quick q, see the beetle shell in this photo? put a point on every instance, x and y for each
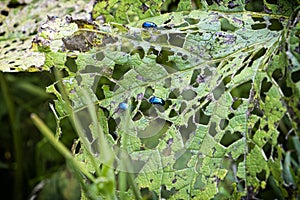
(123, 106)
(157, 100)
(149, 25)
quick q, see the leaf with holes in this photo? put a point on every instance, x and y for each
(18, 26)
(218, 107)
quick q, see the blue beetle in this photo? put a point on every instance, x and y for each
(149, 25)
(123, 106)
(157, 100)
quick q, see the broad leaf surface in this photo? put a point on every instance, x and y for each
(210, 68)
(218, 70)
(19, 25)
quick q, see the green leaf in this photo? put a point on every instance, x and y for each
(126, 11)
(217, 73)
(20, 25)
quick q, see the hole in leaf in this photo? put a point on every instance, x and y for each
(259, 19)
(79, 79)
(267, 149)
(144, 108)
(262, 175)
(229, 139)
(182, 161)
(295, 76)
(112, 125)
(258, 26)
(218, 91)
(297, 49)
(85, 121)
(251, 146)
(174, 94)
(168, 20)
(284, 129)
(177, 39)
(287, 91)
(103, 81)
(78, 147)
(183, 106)
(188, 95)
(212, 129)
(231, 115)
(152, 134)
(192, 21)
(167, 194)
(277, 74)
(7, 45)
(236, 104)
(134, 101)
(105, 112)
(242, 91)
(226, 26)
(71, 64)
(257, 111)
(223, 123)
(148, 194)
(167, 83)
(162, 39)
(209, 2)
(199, 184)
(241, 68)
(173, 113)
(148, 92)
(186, 131)
(100, 56)
(140, 51)
(254, 129)
(163, 59)
(4, 13)
(203, 118)
(173, 6)
(276, 25)
(119, 71)
(137, 116)
(164, 107)
(265, 87)
(226, 80)
(152, 51)
(137, 165)
(257, 55)
(195, 74)
(182, 25)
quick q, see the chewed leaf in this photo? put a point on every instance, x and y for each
(191, 100)
(126, 11)
(18, 27)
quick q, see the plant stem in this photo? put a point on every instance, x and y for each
(59, 146)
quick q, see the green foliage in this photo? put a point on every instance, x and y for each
(62, 185)
(229, 79)
(19, 25)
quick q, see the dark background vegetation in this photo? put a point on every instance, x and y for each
(26, 94)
